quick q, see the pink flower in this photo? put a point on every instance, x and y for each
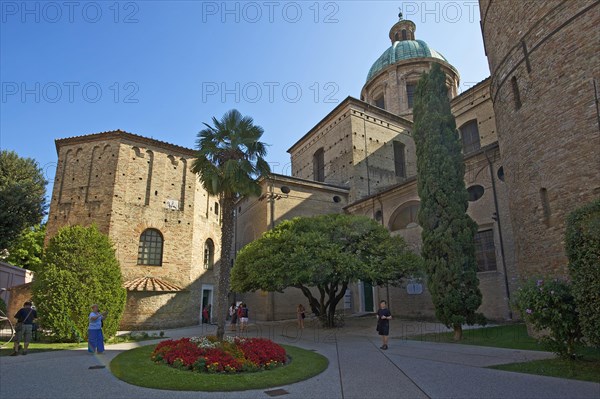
(529, 311)
(539, 282)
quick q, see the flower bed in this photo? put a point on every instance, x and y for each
(208, 355)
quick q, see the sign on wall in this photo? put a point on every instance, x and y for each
(414, 288)
(172, 204)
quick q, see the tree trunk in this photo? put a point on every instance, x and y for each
(227, 207)
(332, 303)
(312, 301)
(458, 332)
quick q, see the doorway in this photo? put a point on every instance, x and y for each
(367, 296)
(207, 303)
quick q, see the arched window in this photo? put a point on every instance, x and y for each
(209, 254)
(319, 165)
(150, 249)
(380, 102)
(216, 208)
(470, 136)
(404, 35)
(405, 216)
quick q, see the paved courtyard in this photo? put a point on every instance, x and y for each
(357, 369)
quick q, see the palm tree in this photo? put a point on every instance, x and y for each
(229, 163)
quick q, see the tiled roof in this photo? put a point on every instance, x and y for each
(400, 51)
(122, 134)
(150, 284)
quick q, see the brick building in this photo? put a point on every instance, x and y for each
(544, 57)
(526, 167)
(164, 225)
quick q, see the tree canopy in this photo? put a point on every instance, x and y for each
(22, 196)
(448, 232)
(324, 252)
(80, 269)
(27, 250)
(229, 163)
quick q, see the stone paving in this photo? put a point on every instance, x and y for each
(357, 369)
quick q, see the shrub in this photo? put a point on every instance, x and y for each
(549, 304)
(582, 243)
(80, 268)
(206, 355)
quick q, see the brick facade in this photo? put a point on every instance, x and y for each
(545, 58)
(126, 184)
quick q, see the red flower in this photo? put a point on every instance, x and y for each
(257, 353)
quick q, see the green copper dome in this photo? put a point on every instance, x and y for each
(403, 50)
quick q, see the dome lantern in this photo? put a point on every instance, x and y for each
(403, 30)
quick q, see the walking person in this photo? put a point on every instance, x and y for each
(383, 323)
(243, 316)
(301, 315)
(95, 336)
(24, 328)
(234, 317)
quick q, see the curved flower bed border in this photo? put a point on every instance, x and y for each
(135, 367)
(208, 355)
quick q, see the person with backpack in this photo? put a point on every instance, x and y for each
(243, 316)
(24, 328)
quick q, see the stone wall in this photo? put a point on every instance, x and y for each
(357, 140)
(545, 58)
(18, 296)
(159, 310)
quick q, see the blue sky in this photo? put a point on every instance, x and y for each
(161, 69)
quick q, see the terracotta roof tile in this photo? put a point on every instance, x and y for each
(111, 134)
(150, 284)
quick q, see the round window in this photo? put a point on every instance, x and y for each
(336, 199)
(475, 192)
(285, 189)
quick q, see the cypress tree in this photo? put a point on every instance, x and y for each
(448, 232)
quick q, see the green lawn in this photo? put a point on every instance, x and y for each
(512, 336)
(135, 367)
(515, 336)
(35, 347)
(43, 345)
(586, 369)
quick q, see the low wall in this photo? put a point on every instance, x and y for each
(147, 310)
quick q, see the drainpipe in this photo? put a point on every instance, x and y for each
(387, 285)
(497, 219)
(272, 212)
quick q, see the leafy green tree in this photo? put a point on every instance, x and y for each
(583, 249)
(448, 232)
(80, 269)
(321, 256)
(22, 196)
(229, 163)
(28, 248)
